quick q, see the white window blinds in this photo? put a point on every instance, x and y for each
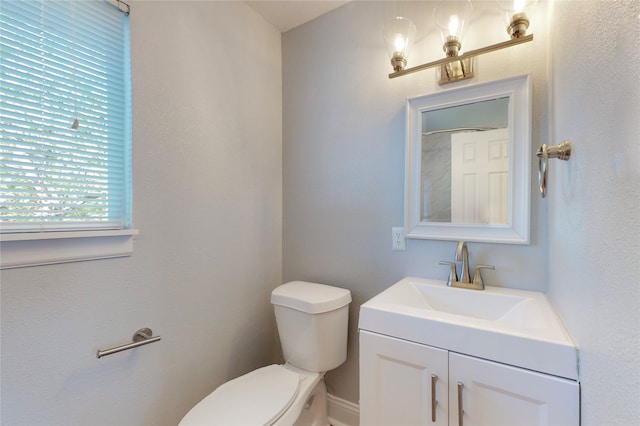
(65, 116)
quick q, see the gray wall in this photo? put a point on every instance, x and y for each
(208, 203)
(343, 157)
(594, 200)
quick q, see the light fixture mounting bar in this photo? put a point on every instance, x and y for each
(469, 54)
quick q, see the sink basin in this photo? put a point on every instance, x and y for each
(489, 306)
(511, 326)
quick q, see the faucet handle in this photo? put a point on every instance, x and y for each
(453, 274)
(477, 279)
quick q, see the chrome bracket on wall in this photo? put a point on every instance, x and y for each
(561, 151)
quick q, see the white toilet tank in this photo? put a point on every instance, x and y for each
(312, 323)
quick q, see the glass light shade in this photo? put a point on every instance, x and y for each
(399, 34)
(515, 16)
(451, 17)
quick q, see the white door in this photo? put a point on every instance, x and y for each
(480, 177)
(396, 379)
(500, 395)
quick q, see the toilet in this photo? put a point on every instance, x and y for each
(312, 324)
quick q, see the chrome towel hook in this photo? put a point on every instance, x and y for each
(561, 151)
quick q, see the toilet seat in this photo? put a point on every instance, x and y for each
(257, 398)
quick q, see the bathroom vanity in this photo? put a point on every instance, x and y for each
(436, 355)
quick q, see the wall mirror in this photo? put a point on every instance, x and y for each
(468, 163)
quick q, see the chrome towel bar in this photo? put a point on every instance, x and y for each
(140, 338)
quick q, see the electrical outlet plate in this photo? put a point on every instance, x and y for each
(398, 239)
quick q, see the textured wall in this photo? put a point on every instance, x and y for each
(343, 150)
(208, 203)
(594, 200)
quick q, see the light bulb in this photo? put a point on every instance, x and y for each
(516, 18)
(518, 6)
(450, 17)
(454, 24)
(398, 34)
(400, 43)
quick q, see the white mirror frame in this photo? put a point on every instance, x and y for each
(516, 230)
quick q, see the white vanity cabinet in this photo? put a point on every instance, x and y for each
(407, 383)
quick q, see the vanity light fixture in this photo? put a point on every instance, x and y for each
(450, 17)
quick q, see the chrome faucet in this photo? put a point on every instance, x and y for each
(462, 255)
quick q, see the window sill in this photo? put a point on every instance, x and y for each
(34, 249)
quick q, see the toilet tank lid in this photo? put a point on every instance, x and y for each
(311, 298)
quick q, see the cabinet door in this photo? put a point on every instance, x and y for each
(396, 381)
(496, 394)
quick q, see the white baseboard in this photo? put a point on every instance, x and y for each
(342, 412)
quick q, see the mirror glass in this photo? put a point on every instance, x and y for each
(464, 166)
(468, 163)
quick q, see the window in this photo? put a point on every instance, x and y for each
(65, 120)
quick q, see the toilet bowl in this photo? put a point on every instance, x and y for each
(312, 324)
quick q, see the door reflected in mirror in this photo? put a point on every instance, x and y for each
(467, 169)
